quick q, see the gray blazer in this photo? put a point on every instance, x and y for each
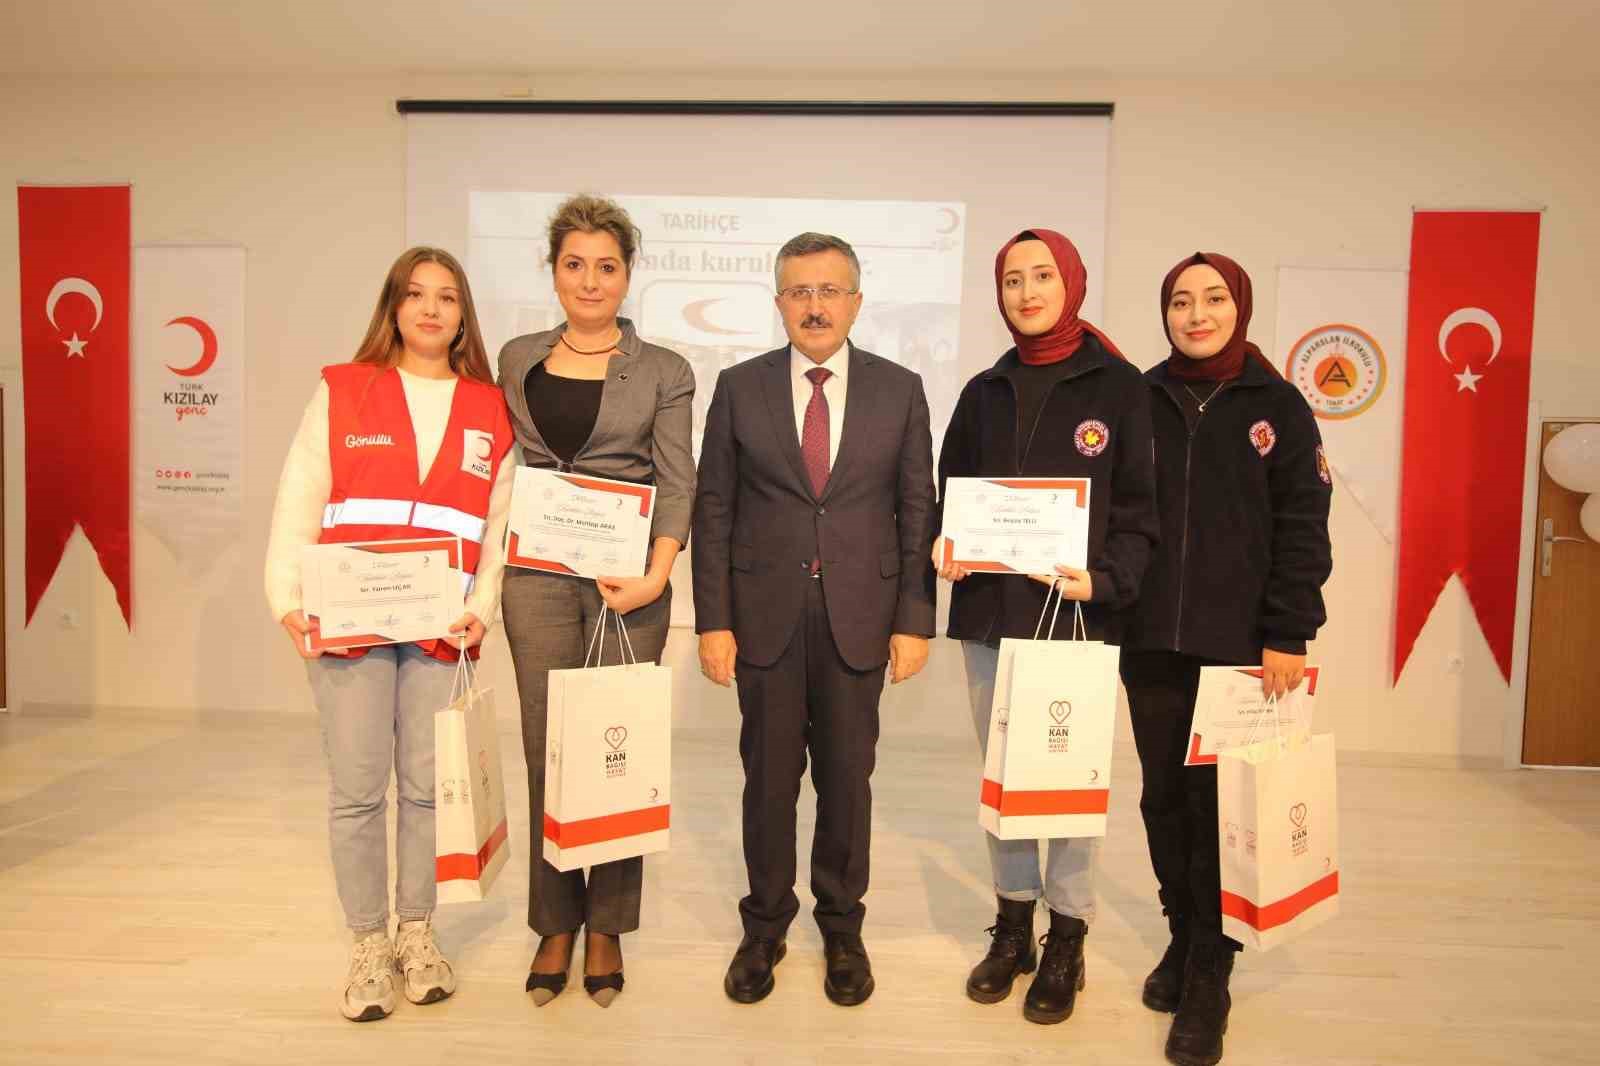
(642, 433)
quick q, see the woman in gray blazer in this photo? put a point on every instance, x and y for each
(591, 396)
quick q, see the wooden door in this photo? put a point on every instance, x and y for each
(1561, 726)
(4, 691)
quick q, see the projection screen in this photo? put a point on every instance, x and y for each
(926, 199)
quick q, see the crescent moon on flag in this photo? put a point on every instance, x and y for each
(70, 285)
(695, 315)
(208, 346)
(1473, 316)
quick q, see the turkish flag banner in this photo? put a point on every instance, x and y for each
(1469, 343)
(74, 248)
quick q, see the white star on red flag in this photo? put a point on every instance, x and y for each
(1467, 380)
(75, 347)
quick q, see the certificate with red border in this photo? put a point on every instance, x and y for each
(1230, 712)
(576, 524)
(1016, 525)
(363, 593)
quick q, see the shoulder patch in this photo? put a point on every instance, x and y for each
(1322, 467)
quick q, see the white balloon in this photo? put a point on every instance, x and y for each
(1572, 458)
(1589, 517)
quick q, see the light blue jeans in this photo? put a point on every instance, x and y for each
(1068, 883)
(377, 712)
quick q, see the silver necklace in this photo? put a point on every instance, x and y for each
(1208, 399)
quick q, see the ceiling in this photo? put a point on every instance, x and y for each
(1346, 40)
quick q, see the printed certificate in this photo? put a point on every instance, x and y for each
(566, 523)
(381, 592)
(1018, 525)
(1230, 712)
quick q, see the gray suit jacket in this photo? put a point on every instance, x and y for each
(642, 433)
(758, 525)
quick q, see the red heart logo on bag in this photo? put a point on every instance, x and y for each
(1061, 710)
(1297, 814)
(615, 736)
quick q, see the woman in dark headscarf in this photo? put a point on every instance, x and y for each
(1062, 403)
(1243, 491)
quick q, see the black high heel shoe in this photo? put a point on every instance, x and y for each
(544, 987)
(604, 988)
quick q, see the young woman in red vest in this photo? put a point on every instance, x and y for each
(407, 440)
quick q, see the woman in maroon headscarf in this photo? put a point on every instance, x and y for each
(1243, 490)
(1062, 403)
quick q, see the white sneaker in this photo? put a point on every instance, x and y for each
(369, 989)
(427, 976)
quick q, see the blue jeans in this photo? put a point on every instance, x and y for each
(377, 712)
(1068, 882)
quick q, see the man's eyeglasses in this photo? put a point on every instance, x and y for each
(802, 294)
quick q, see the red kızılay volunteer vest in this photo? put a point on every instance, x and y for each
(372, 450)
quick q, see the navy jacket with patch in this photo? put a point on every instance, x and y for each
(985, 439)
(1244, 522)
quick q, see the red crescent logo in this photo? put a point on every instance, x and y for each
(484, 448)
(208, 346)
(695, 315)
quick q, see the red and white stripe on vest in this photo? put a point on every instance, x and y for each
(372, 449)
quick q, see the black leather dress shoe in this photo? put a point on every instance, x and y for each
(849, 971)
(749, 977)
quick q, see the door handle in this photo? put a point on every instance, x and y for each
(1547, 542)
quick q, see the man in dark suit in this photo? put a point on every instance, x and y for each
(812, 530)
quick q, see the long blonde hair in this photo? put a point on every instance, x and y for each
(382, 344)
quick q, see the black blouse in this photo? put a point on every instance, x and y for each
(563, 409)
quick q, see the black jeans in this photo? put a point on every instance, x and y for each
(1179, 803)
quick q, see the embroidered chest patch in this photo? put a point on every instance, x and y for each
(1263, 437)
(1091, 437)
(477, 451)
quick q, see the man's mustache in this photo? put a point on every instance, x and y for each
(815, 322)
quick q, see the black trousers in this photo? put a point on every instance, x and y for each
(810, 700)
(1179, 803)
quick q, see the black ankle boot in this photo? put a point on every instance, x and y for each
(1163, 989)
(1055, 989)
(1010, 952)
(1196, 1036)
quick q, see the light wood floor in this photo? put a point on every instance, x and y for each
(165, 896)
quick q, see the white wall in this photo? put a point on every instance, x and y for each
(308, 175)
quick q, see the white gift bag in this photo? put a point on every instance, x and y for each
(1047, 770)
(469, 795)
(608, 758)
(1278, 837)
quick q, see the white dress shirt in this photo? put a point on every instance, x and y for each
(833, 389)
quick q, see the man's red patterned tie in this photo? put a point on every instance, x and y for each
(814, 436)
(814, 440)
